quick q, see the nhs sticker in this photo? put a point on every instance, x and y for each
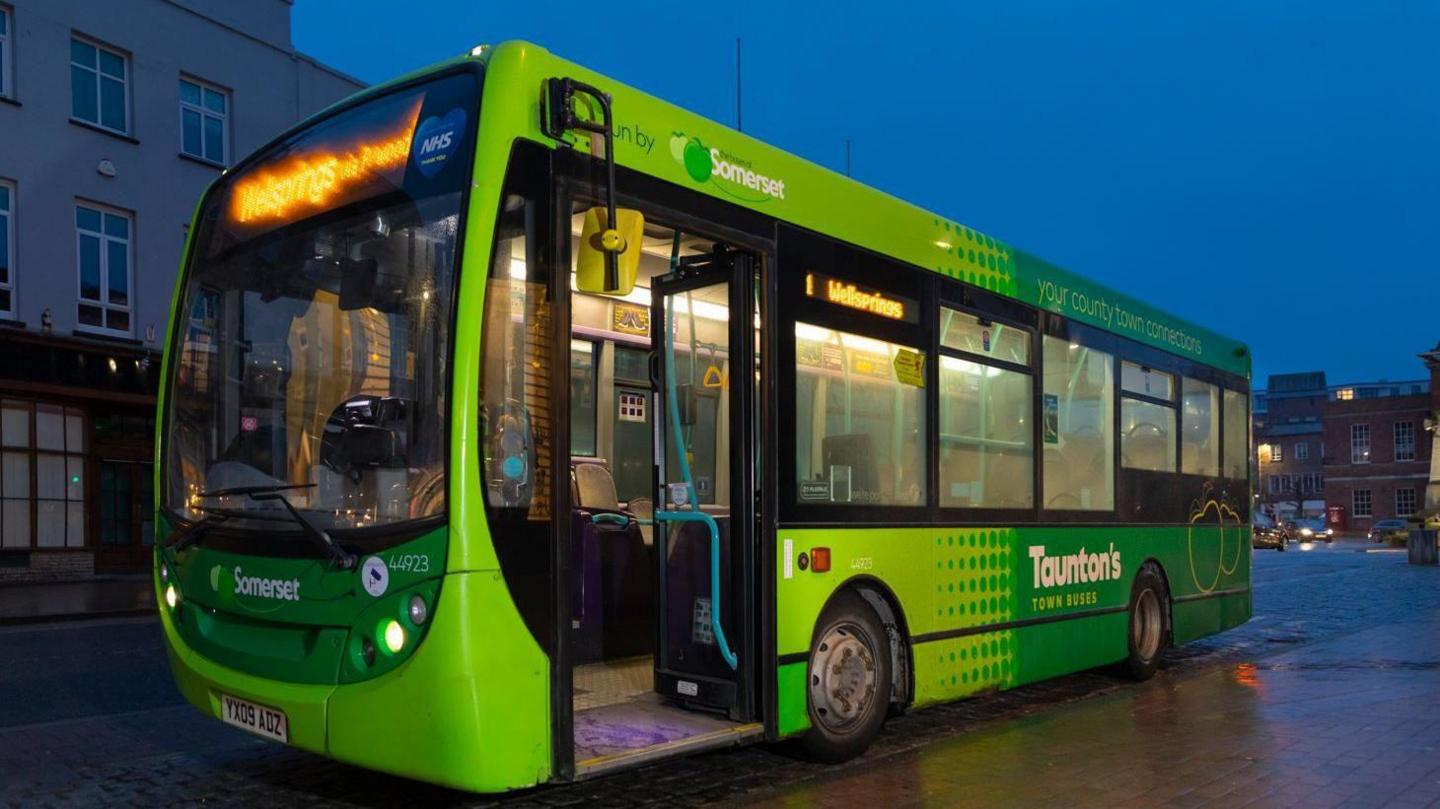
(436, 140)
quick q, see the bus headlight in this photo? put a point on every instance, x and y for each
(393, 635)
(418, 611)
(172, 596)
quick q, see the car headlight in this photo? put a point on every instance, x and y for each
(1305, 532)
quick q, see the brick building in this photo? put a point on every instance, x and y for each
(1379, 461)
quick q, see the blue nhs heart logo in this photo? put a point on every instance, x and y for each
(436, 140)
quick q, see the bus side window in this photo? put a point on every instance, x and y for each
(1077, 427)
(1237, 435)
(1199, 428)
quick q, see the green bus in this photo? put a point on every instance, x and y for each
(520, 427)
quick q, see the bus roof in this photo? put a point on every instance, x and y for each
(673, 144)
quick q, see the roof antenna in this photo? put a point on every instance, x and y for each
(738, 128)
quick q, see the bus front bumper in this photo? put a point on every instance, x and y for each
(425, 720)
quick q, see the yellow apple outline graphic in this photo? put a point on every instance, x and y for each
(1204, 505)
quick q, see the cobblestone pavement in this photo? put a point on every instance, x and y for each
(1330, 695)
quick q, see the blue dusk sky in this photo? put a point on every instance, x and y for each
(1268, 169)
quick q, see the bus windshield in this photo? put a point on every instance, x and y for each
(312, 348)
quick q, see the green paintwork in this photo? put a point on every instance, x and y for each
(665, 141)
(947, 580)
(468, 705)
(314, 638)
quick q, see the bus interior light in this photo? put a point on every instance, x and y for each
(172, 596)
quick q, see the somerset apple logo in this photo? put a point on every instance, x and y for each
(692, 154)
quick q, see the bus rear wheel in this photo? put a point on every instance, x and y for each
(1148, 604)
(848, 680)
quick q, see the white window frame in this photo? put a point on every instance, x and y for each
(1355, 503)
(1414, 503)
(7, 223)
(1302, 450)
(104, 302)
(1360, 443)
(1277, 455)
(7, 53)
(99, 101)
(205, 112)
(1410, 442)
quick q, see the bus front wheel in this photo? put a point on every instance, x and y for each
(1148, 603)
(849, 680)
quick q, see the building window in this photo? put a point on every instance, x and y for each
(1360, 503)
(6, 68)
(204, 121)
(1404, 440)
(1319, 482)
(1302, 451)
(7, 248)
(986, 427)
(1277, 454)
(1345, 394)
(103, 260)
(860, 425)
(1359, 443)
(99, 86)
(1275, 484)
(1078, 427)
(44, 445)
(1404, 502)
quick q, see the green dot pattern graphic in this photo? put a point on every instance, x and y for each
(970, 256)
(975, 571)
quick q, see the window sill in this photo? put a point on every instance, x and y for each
(11, 323)
(4, 99)
(202, 161)
(96, 334)
(102, 130)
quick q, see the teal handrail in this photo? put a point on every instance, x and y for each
(699, 516)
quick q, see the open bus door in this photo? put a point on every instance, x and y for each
(705, 512)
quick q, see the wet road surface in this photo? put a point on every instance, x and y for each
(1329, 696)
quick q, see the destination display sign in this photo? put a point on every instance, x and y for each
(851, 296)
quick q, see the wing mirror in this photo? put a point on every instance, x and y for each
(598, 241)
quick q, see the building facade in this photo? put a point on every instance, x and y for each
(1290, 445)
(114, 117)
(1380, 465)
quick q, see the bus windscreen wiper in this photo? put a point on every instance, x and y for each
(341, 557)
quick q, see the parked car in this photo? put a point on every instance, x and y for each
(1309, 529)
(1395, 532)
(1265, 533)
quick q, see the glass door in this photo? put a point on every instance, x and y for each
(705, 507)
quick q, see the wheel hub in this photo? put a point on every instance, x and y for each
(1146, 625)
(842, 677)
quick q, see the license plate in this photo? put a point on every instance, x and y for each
(257, 719)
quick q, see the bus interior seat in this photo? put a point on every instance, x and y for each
(643, 509)
(614, 570)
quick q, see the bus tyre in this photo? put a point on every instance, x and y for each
(849, 680)
(1146, 624)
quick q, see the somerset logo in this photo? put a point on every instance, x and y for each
(1081, 567)
(281, 589)
(729, 173)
